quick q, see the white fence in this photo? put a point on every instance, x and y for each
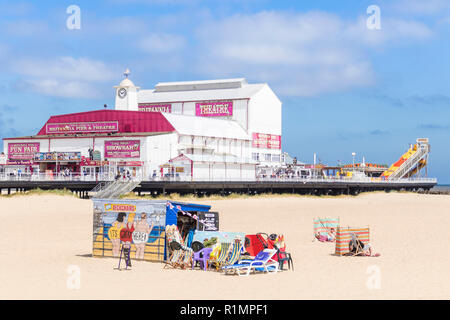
(108, 177)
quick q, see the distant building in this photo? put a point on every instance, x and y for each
(194, 130)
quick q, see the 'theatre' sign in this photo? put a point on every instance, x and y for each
(82, 127)
(266, 141)
(122, 149)
(214, 109)
(22, 151)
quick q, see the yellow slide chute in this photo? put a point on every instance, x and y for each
(422, 145)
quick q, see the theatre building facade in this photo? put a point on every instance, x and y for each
(198, 130)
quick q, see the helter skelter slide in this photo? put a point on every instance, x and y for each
(410, 163)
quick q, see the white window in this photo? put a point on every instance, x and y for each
(255, 156)
(268, 157)
(275, 158)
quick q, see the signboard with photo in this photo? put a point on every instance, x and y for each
(122, 149)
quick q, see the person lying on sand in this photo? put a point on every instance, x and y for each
(357, 247)
(329, 236)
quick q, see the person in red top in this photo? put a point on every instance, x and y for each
(126, 239)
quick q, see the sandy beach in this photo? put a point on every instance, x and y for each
(45, 236)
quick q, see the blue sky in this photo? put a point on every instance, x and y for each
(344, 88)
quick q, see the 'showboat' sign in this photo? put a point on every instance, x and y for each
(122, 149)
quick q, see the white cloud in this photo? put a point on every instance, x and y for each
(300, 54)
(161, 43)
(58, 88)
(64, 76)
(421, 7)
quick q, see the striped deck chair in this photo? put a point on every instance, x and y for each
(181, 255)
(188, 254)
(176, 257)
(344, 236)
(322, 226)
(233, 256)
(223, 255)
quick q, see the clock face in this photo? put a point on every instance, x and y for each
(122, 92)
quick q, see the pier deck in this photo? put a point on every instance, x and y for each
(294, 186)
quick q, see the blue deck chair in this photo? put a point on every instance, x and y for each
(262, 262)
(233, 256)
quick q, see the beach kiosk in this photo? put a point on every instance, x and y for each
(145, 221)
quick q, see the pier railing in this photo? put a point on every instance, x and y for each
(300, 179)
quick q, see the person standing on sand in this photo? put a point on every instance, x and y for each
(140, 235)
(126, 238)
(114, 233)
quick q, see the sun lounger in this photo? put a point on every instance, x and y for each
(262, 262)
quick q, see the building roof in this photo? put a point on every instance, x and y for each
(139, 122)
(200, 85)
(206, 127)
(128, 121)
(200, 91)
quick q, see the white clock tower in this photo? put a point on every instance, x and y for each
(126, 94)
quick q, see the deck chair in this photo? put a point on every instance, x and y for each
(233, 256)
(224, 247)
(187, 258)
(323, 226)
(177, 254)
(344, 236)
(263, 262)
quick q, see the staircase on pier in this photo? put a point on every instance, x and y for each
(113, 189)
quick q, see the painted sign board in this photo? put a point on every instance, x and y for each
(155, 107)
(214, 109)
(210, 221)
(266, 141)
(22, 151)
(82, 127)
(142, 224)
(122, 149)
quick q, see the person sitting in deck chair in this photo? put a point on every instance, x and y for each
(357, 247)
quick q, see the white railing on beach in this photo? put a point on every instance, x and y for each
(169, 178)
